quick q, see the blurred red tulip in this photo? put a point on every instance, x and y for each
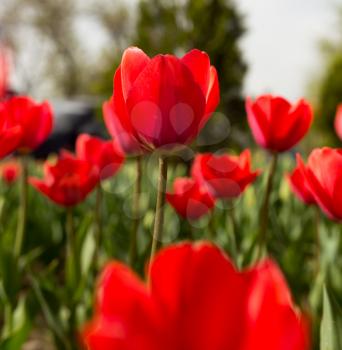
(10, 171)
(67, 182)
(196, 300)
(299, 185)
(4, 71)
(190, 199)
(105, 156)
(276, 124)
(338, 121)
(226, 176)
(34, 119)
(162, 101)
(10, 136)
(323, 174)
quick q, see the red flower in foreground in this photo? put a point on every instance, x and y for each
(190, 199)
(10, 171)
(276, 124)
(67, 182)
(196, 300)
(323, 174)
(105, 156)
(161, 101)
(34, 119)
(338, 121)
(226, 176)
(299, 185)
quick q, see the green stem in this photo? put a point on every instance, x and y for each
(98, 223)
(211, 227)
(159, 214)
(22, 215)
(136, 212)
(264, 212)
(72, 270)
(317, 238)
(71, 267)
(232, 218)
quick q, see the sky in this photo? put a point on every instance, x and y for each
(282, 43)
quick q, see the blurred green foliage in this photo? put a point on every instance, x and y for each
(327, 86)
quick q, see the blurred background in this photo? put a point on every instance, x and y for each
(68, 50)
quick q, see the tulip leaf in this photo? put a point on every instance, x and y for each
(331, 325)
(21, 328)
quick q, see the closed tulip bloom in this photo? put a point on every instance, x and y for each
(226, 176)
(338, 121)
(105, 156)
(68, 182)
(299, 185)
(196, 300)
(276, 124)
(323, 174)
(162, 101)
(10, 171)
(35, 120)
(190, 199)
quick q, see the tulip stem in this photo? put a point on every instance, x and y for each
(98, 223)
(136, 212)
(159, 214)
(22, 215)
(211, 227)
(317, 237)
(232, 218)
(264, 212)
(71, 267)
(72, 271)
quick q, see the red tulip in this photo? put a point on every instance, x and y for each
(34, 119)
(226, 176)
(68, 182)
(323, 174)
(276, 124)
(196, 300)
(4, 72)
(190, 199)
(105, 156)
(10, 171)
(10, 136)
(299, 185)
(127, 142)
(338, 121)
(161, 101)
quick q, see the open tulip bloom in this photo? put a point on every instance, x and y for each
(68, 182)
(106, 156)
(276, 124)
(162, 101)
(33, 119)
(195, 300)
(323, 174)
(190, 199)
(225, 176)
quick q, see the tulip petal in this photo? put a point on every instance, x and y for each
(153, 102)
(133, 62)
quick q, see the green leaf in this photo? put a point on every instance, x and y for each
(331, 326)
(21, 328)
